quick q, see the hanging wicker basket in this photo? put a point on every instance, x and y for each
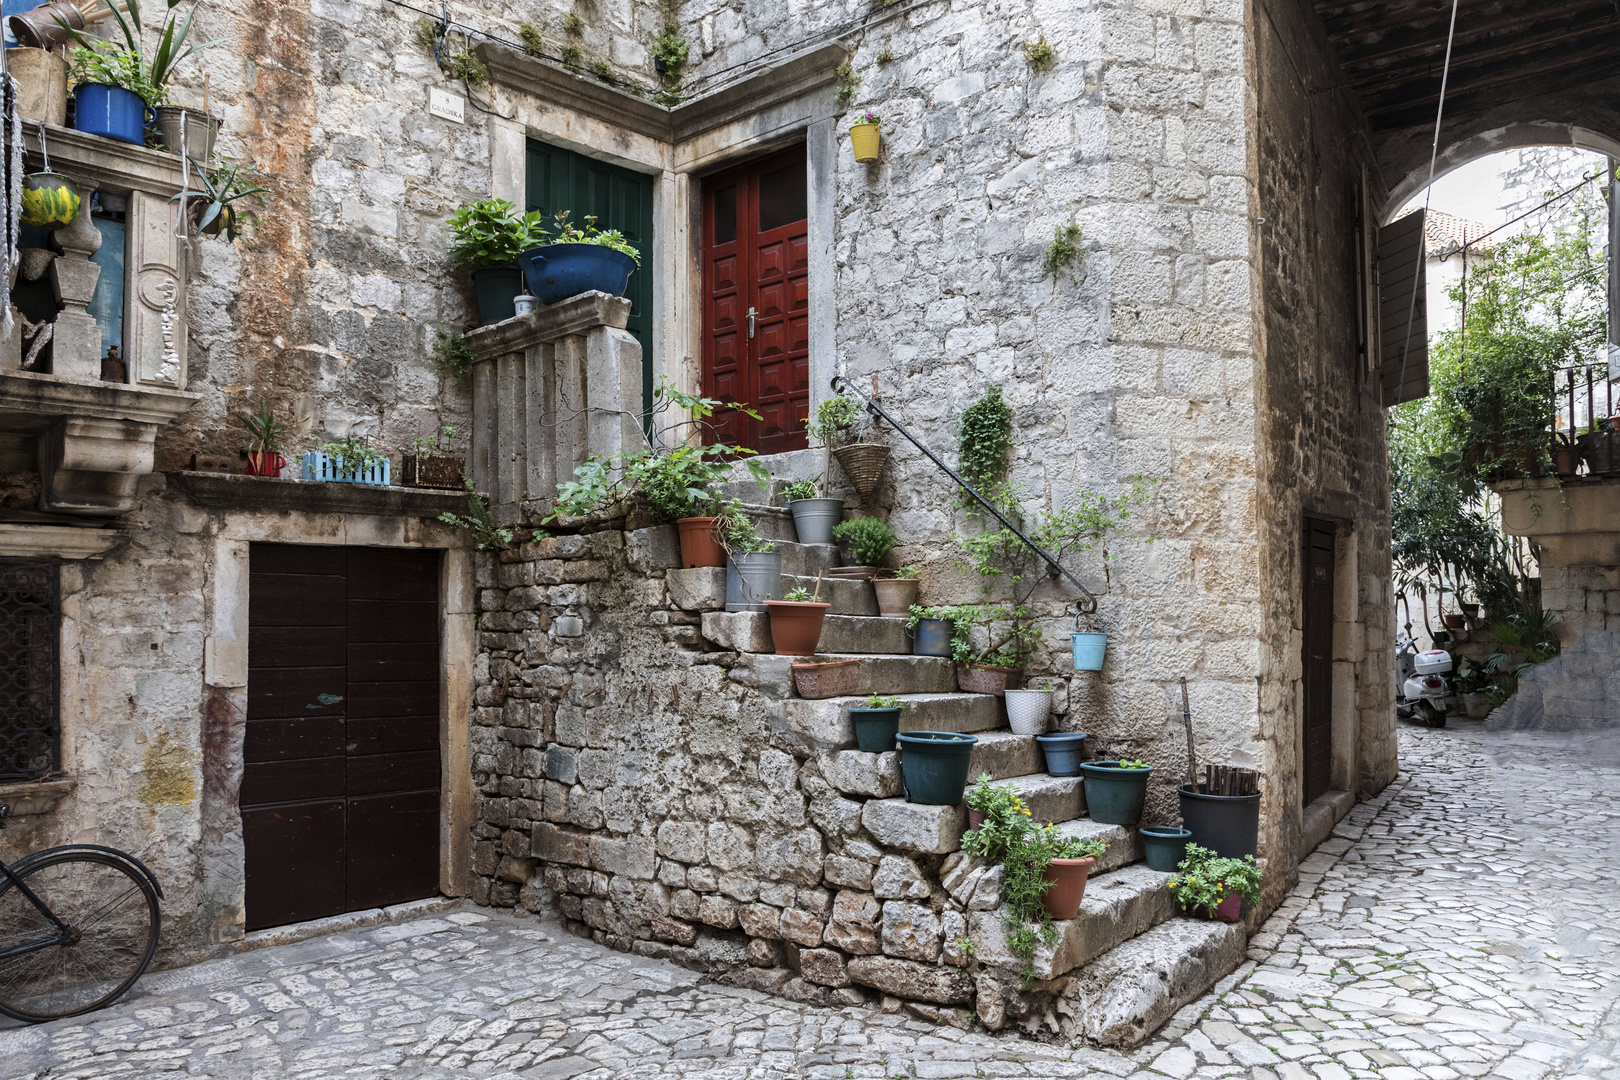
(863, 464)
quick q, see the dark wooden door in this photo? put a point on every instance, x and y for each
(340, 779)
(559, 179)
(756, 301)
(1318, 658)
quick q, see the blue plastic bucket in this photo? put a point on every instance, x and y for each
(1062, 752)
(557, 271)
(932, 637)
(1088, 650)
(113, 112)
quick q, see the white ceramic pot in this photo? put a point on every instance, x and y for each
(1028, 711)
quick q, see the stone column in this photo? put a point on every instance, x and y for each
(76, 344)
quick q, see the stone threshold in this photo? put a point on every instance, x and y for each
(1318, 819)
(352, 920)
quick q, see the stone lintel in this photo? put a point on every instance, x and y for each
(573, 317)
(30, 401)
(18, 541)
(28, 798)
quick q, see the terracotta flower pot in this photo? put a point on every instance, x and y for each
(1068, 878)
(895, 596)
(796, 625)
(1456, 621)
(698, 544)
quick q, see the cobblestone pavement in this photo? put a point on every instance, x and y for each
(1459, 925)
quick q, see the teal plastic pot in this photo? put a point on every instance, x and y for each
(1062, 752)
(497, 288)
(1114, 795)
(935, 765)
(1088, 650)
(932, 637)
(1166, 846)
(875, 729)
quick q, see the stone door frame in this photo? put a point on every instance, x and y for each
(225, 663)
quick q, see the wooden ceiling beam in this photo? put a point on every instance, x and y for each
(1527, 29)
(1394, 75)
(1425, 86)
(1394, 114)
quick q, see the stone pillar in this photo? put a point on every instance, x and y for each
(76, 344)
(154, 302)
(612, 392)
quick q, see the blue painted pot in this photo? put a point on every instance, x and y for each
(112, 112)
(1088, 650)
(557, 271)
(1166, 846)
(932, 637)
(1062, 752)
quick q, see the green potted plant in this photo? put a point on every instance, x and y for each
(996, 814)
(430, 463)
(266, 433)
(796, 622)
(115, 87)
(350, 460)
(930, 630)
(1209, 887)
(579, 260)
(1116, 790)
(898, 594)
(870, 540)
(487, 237)
(815, 515)
(213, 210)
(935, 765)
(987, 644)
(753, 565)
(876, 723)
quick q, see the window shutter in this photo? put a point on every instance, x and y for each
(1403, 317)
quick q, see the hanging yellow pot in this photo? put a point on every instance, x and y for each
(49, 200)
(865, 136)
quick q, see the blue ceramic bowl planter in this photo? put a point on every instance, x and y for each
(112, 112)
(558, 271)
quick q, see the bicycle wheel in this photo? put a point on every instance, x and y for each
(112, 917)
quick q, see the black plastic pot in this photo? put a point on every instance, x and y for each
(875, 729)
(935, 765)
(496, 287)
(1228, 825)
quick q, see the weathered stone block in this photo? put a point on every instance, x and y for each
(765, 954)
(1117, 907)
(561, 764)
(517, 871)
(776, 893)
(1123, 997)
(837, 817)
(801, 928)
(847, 872)
(911, 931)
(823, 966)
(683, 840)
(914, 826)
(717, 911)
(854, 923)
(730, 846)
(899, 878)
(555, 844)
(739, 631)
(760, 920)
(874, 776)
(795, 857)
(632, 856)
(701, 588)
(685, 904)
(650, 550)
(909, 979)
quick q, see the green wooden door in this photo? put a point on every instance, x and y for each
(560, 180)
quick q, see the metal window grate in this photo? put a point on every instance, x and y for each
(30, 624)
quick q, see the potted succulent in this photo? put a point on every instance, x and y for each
(1207, 886)
(350, 460)
(1028, 710)
(897, 595)
(865, 135)
(431, 465)
(930, 631)
(488, 237)
(935, 765)
(578, 261)
(266, 433)
(814, 514)
(876, 723)
(870, 540)
(115, 88)
(796, 622)
(753, 565)
(213, 210)
(1116, 790)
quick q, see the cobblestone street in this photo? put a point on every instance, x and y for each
(1459, 925)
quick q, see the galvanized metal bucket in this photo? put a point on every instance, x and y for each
(751, 579)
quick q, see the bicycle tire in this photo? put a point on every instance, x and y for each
(114, 910)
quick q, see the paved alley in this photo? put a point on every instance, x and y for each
(1462, 924)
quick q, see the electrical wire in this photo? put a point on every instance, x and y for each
(1423, 245)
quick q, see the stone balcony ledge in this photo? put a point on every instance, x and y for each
(1578, 522)
(235, 491)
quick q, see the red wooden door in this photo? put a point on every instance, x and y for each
(340, 778)
(756, 309)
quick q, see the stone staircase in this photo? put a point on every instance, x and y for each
(1127, 910)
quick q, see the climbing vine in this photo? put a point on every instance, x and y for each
(845, 83)
(1064, 250)
(984, 439)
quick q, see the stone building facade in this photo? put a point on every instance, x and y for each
(610, 747)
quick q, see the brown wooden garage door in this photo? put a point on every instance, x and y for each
(340, 785)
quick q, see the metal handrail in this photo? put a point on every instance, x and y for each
(1053, 567)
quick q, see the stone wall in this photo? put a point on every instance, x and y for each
(1321, 439)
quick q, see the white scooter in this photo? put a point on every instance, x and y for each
(1422, 691)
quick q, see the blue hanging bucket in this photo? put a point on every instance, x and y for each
(113, 112)
(1088, 650)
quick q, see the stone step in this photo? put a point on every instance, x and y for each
(938, 829)
(1124, 843)
(1049, 798)
(750, 631)
(823, 726)
(903, 674)
(1118, 906)
(1003, 754)
(1121, 998)
(807, 560)
(846, 597)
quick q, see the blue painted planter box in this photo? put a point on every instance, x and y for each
(318, 466)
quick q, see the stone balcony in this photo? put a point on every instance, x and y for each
(1576, 525)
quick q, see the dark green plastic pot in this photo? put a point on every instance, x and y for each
(875, 729)
(1114, 795)
(496, 287)
(1166, 846)
(935, 765)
